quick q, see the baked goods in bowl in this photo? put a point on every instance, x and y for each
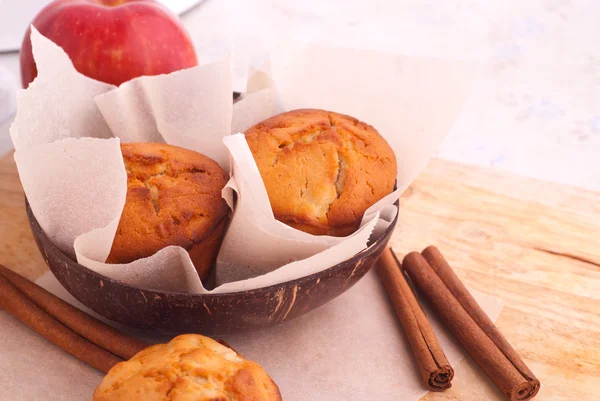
(189, 367)
(321, 170)
(173, 198)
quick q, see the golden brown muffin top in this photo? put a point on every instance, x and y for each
(173, 198)
(322, 170)
(190, 367)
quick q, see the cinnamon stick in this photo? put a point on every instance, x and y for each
(80, 322)
(435, 369)
(468, 323)
(17, 304)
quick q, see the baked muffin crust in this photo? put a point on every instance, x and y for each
(322, 170)
(173, 198)
(190, 367)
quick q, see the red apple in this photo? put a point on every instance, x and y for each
(112, 41)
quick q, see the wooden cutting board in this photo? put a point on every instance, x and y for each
(535, 245)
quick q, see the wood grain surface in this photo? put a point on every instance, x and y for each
(535, 245)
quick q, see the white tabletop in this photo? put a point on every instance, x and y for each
(536, 109)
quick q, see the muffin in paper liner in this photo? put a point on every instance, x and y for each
(68, 130)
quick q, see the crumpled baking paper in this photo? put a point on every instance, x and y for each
(68, 129)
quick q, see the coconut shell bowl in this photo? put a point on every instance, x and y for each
(178, 312)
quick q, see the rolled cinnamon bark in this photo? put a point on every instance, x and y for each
(80, 322)
(468, 323)
(435, 369)
(446, 274)
(17, 304)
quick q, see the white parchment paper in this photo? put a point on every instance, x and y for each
(68, 129)
(351, 349)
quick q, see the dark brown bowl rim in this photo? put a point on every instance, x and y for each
(297, 281)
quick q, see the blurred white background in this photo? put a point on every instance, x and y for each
(535, 110)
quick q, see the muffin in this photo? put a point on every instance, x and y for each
(322, 170)
(189, 367)
(173, 198)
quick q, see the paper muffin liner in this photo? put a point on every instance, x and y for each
(68, 130)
